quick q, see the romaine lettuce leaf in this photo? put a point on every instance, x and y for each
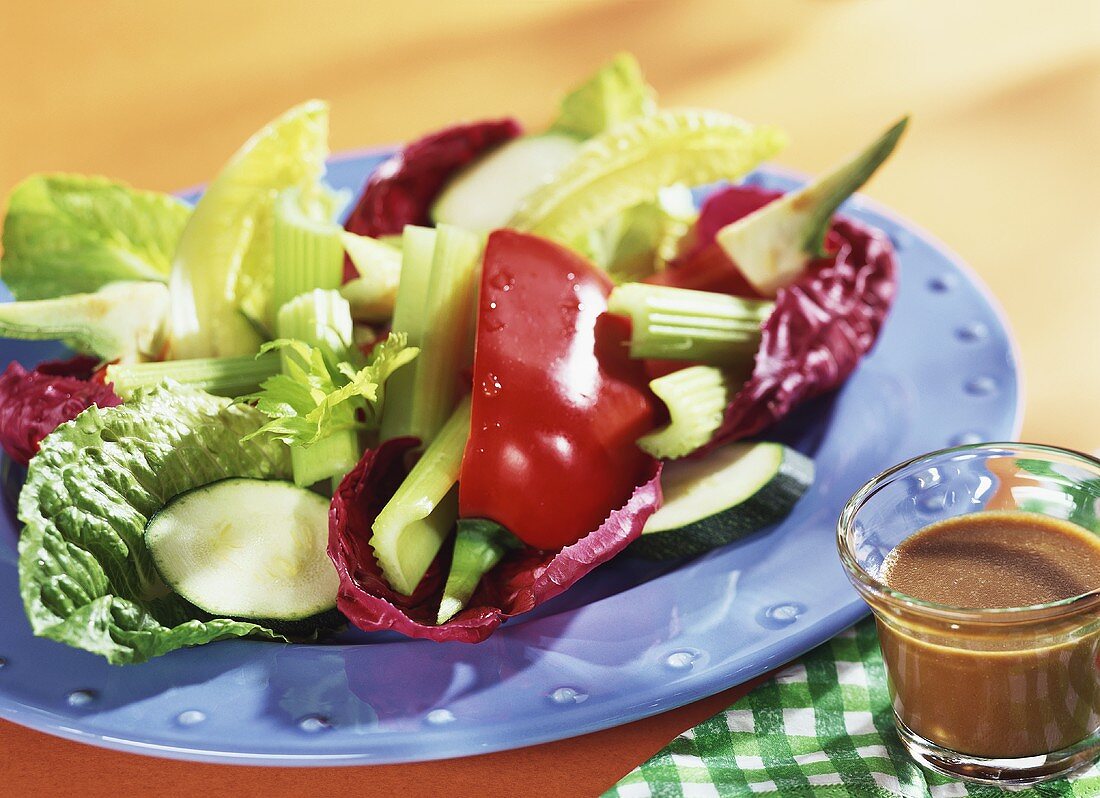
(71, 234)
(642, 240)
(85, 576)
(617, 92)
(633, 161)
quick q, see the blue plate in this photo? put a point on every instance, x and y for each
(632, 640)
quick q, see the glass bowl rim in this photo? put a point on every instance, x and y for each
(866, 583)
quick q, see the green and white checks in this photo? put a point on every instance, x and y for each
(822, 728)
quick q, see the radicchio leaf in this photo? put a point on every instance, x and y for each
(401, 191)
(520, 582)
(35, 403)
(822, 325)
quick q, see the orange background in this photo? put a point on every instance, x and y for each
(1002, 162)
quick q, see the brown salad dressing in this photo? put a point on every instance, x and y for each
(1014, 689)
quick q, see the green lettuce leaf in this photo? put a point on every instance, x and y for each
(630, 164)
(616, 93)
(312, 399)
(71, 234)
(642, 240)
(85, 576)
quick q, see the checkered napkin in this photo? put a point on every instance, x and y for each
(822, 728)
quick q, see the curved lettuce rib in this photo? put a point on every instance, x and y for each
(234, 216)
(85, 575)
(630, 163)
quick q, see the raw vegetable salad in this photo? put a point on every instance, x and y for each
(524, 353)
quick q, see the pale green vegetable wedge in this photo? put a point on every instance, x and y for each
(373, 293)
(121, 321)
(773, 245)
(205, 319)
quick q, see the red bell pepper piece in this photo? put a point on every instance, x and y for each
(557, 402)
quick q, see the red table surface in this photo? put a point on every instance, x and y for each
(34, 764)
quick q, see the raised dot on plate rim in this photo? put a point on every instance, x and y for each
(568, 695)
(980, 386)
(438, 717)
(682, 659)
(972, 332)
(942, 283)
(966, 439)
(190, 717)
(314, 723)
(80, 698)
(3, 662)
(787, 611)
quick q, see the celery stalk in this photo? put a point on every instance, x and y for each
(223, 376)
(308, 252)
(331, 457)
(321, 319)
(409, 531)
(435, 308)
(696, 398)
(409, 317)
(681, 324)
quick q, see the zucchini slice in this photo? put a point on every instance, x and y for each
(249, 549)
(487, 194)
(734, 491)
